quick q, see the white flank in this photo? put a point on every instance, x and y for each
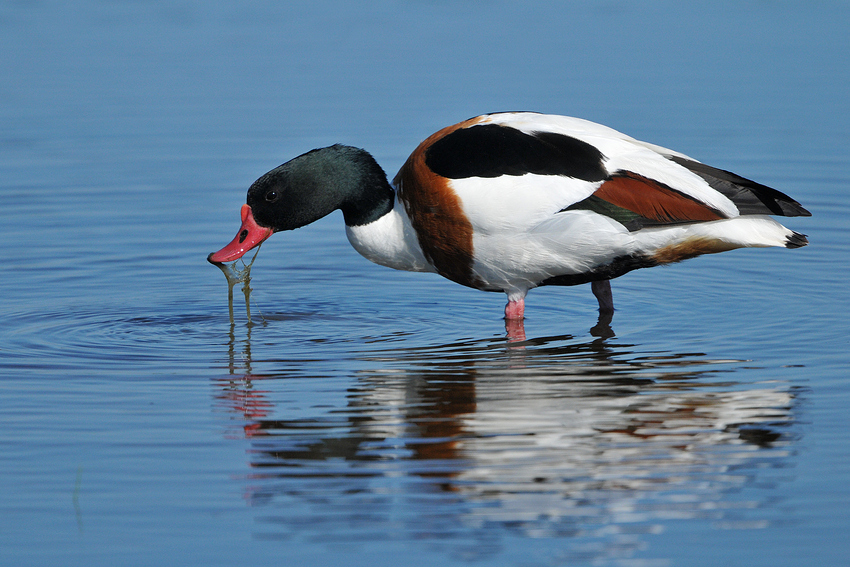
(572, 242)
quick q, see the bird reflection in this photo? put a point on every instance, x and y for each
(515, 328)
(556, 436)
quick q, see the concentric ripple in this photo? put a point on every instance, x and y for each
(104, 340)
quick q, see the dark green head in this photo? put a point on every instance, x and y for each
(314, 184)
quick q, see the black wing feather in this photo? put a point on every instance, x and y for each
(750, 197)
(493, 150)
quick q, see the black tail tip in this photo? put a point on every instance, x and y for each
(796, 240)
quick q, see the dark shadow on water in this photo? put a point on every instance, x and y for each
(594, 441)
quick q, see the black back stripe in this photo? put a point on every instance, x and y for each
(750, 197)
(491, 150)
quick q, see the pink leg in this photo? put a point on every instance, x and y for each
(515, 309)
(602, 291)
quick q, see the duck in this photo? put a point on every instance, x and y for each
(510, 201)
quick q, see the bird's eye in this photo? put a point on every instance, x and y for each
(272, 196)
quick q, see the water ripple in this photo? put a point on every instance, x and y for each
(101, 340)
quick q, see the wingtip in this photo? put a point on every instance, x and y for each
(792, 208)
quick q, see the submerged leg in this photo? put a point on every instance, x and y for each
(514, 314)
(602, 290)
(515, 309)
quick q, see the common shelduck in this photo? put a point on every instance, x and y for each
(511, 201)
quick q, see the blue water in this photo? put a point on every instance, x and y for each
(373, 417)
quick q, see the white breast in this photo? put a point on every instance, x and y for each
(390, 241)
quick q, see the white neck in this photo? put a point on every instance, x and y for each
(390, 241)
